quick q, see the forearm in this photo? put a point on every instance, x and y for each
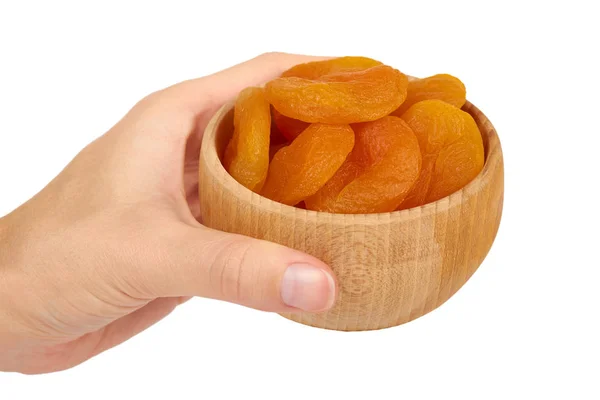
(10, 250)
(6, 262)
(13, 291)
(13, 280)
(3, 236)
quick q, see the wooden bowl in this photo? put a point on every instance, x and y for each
(391, 267)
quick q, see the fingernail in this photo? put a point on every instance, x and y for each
(307, 287)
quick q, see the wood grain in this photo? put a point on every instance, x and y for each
(391, 267)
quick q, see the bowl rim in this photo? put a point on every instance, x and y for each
(493, 154)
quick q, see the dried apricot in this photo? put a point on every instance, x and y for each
(352, 135)
(275, 148)
(317, 69)
(340, 98)
(290, 128)
(441, 87)
(451, 147)
(247, 154)
(377, 175)
(300, 169)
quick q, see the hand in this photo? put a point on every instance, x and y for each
(113, 244)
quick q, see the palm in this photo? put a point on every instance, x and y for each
(98, 334)
(155, 121)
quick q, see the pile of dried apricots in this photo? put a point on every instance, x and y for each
(351, 135)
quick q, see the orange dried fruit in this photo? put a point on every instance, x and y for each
(317, 69)
(290, 128)
(451, 147)
(443, 87)
(247, 153)
(275, 148)
(352, 135)
(300, 169)
(377, 175)
(340, 98)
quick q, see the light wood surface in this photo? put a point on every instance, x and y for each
(392, 267)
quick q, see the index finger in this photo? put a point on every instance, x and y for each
(222, 86)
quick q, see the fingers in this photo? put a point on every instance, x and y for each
(91, 344)
(161, 125)
(222, 86)
(254, 273)
(179, 106)
(131, 324)
(198, 261)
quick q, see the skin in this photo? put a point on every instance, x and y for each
(113, 244)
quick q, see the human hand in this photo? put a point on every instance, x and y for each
(113, 244)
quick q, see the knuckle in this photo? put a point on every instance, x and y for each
(148, 103)
(150, 98)
(272, 55)
(236, 259)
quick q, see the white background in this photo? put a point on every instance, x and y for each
(525, 325)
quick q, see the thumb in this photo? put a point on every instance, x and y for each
(255, 273)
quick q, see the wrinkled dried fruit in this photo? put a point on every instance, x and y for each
(352, 135)
(341, 98)
(451, 146)
(441, 87)
(377, 175)
(317, 69)
(300, 169)
(247, 154)
(290, 128)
